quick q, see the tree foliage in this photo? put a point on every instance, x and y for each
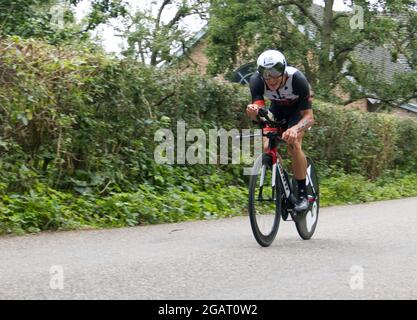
(151, 38)
(27, 18)
(54, 20)
(240, 30)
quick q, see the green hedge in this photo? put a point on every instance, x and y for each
(361, 142)
(74, 118)
(341, 188)
(77, 140)
(48, 209)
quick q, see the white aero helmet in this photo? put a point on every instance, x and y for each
(271, 63)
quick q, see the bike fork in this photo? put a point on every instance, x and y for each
(262, 180)
(277, 169)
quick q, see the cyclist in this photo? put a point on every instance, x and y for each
(289, 92)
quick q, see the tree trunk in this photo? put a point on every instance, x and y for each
(325, 58)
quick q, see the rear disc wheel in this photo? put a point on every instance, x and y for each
(306, 222)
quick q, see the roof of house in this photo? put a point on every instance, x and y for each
(193, 41)
(410, 107)
(380, 56)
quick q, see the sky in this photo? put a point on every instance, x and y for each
(112, 43)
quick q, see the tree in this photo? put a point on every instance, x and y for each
(53, 20)
(102, 11)
(151, 38)
(399, 35)
(24, 18)
(323, 50)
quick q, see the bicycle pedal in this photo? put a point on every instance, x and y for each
(293, 215)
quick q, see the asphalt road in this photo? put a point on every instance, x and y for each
(358, 252)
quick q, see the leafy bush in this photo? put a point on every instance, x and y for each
(348, 189)
(77, 141)
(79, 120)
(360, 142)
(48, 209)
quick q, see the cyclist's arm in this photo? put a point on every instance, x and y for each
(307, 120)
(302, 89)
(257, 89)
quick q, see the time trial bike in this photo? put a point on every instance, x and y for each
(272, 190)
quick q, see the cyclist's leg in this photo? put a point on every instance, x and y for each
(265, 143)
(299, 160)
(299, 166)
(295, 151)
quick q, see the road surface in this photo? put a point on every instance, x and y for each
(364, 251)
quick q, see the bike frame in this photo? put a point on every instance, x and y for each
(283, 193)
(273, 134)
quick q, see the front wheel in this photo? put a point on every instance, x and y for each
(306, 222)
(264, 206)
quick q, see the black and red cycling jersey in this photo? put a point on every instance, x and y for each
(286, 102)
